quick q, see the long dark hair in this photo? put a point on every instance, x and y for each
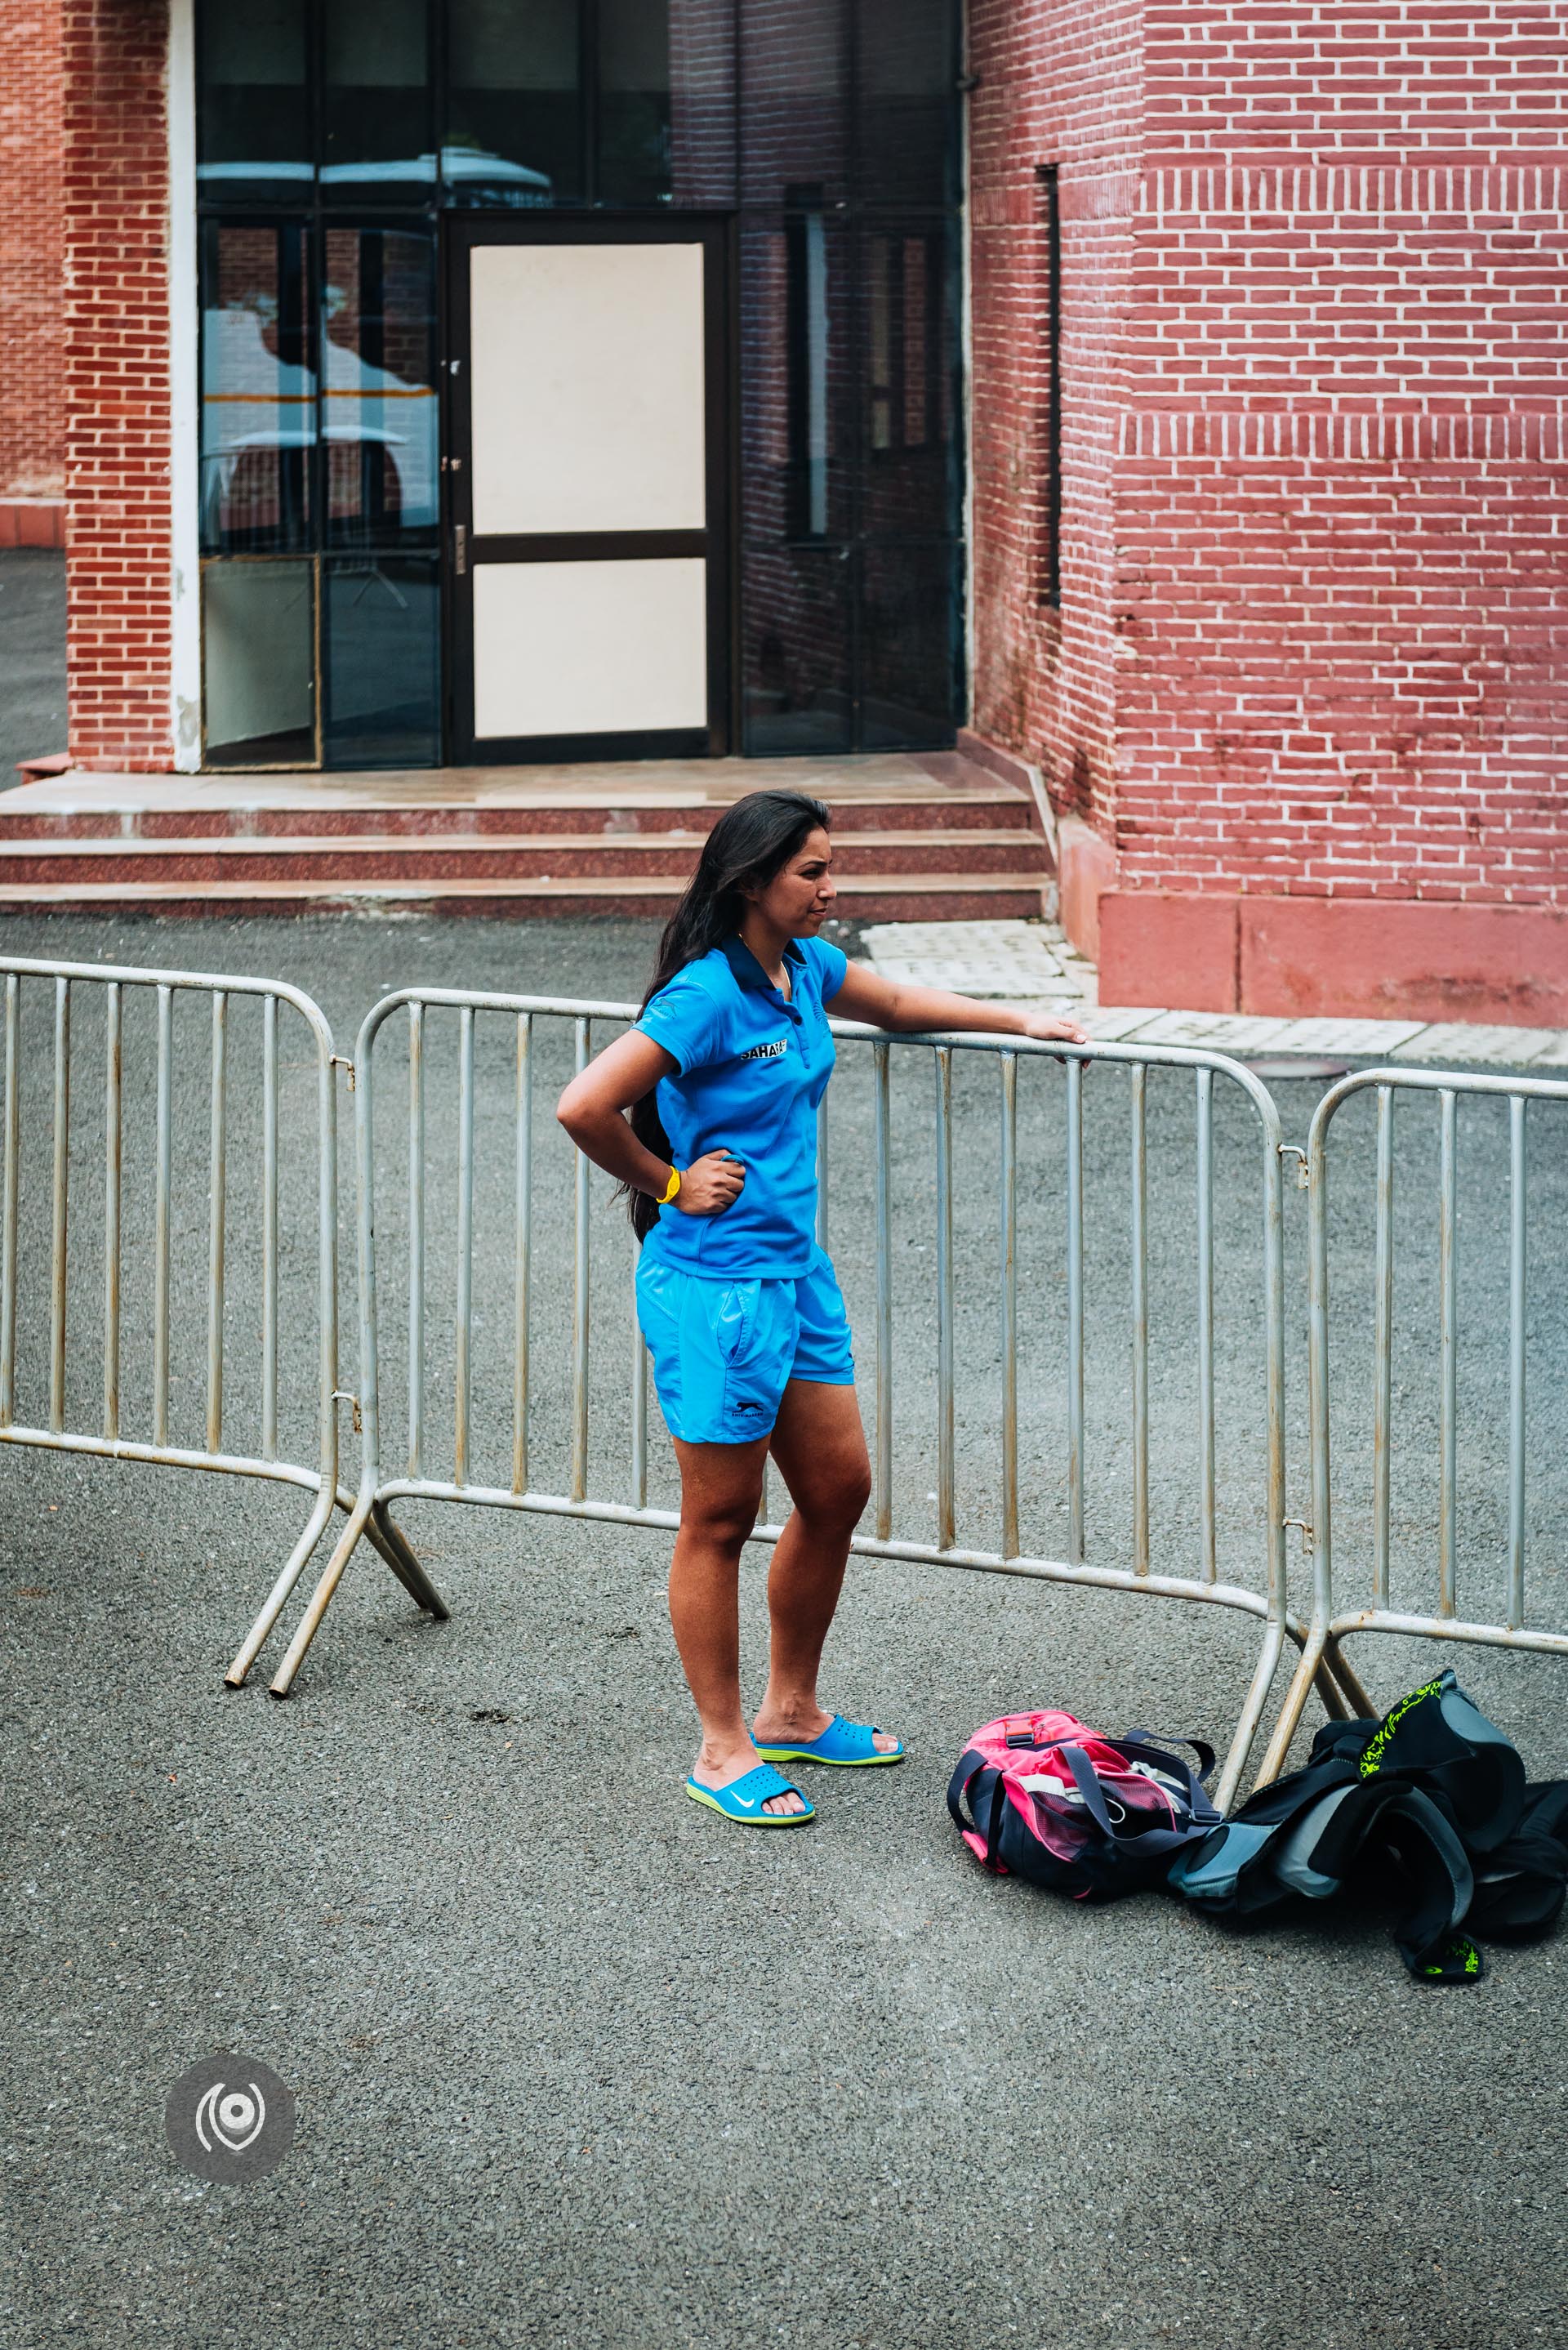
(751, 841)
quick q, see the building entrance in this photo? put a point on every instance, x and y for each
(578, 379)
(587, 474)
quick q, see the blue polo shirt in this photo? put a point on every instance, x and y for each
(752, 1067)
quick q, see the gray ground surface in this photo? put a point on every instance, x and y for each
(32, 656)
(576, 2061)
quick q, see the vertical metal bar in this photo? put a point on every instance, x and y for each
(60, 1196)
(1516, 1303)
(1206, 1316)
(1448, 1358)
(1383, 1347)
(580, 1300)
(1009, 1067)
(884, 1464)
(822, 1172)
(639, 1400)
(1139, 1244)
(464, 1241)
(219, 1161)
(1075, 1312)
(522, 1241)
(163, 1146)
(269, 1229)
(945, 1506)
(113, 1071)
(416, 1239)
(8, 1216)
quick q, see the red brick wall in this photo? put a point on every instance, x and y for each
(1063, 87)
(32, 408)
(1313, 638)
(117, 381)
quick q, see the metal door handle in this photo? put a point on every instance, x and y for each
(460, 548)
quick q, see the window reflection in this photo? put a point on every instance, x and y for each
(258, 393)
(514, 128)
(258, 642)
(906, 67)
(381, 628)
(797, 690)
(806, 334)
(377, 139)
(254, 119)
(378, 397)
(909, 624)
(634, 101)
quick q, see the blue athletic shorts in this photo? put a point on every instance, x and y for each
(724, 1351)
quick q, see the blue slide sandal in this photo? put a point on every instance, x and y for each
(743, 1799)
(846, 1743)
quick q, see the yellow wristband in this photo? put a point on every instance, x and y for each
(670, 1189)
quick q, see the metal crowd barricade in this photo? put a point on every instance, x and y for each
(54, 1432)
(526, 1014)
(1333, 1620)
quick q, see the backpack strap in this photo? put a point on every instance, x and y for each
(1141, 1748)
(969, 1763)
(1088, 1782)
(1201, 1747)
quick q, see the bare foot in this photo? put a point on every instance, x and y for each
(716, 1768)
(798, 1725)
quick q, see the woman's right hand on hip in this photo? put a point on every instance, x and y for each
(710, 1184)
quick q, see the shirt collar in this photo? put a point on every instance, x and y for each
(748, 970)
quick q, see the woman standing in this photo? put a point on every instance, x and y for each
(721, 1075)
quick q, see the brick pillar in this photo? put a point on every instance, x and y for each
(32, 414)
(116, 335)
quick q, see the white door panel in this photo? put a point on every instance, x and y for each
(587, 387)
(589, 648)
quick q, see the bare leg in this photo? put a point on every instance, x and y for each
(721, 1486)
(820, 1447)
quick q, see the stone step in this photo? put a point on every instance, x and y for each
(478, 857)
(881, 897)
(197, 813)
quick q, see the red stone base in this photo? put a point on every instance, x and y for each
(1350, 958)
(32, 522)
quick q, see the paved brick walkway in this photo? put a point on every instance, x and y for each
(1033, 962)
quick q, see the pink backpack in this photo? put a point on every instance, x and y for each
(1040, 1795)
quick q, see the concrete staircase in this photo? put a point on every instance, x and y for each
(929, 838)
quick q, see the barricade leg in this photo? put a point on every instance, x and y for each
(278, 1597)
(320, 1598)
(404, 1561)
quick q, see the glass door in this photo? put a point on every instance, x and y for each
(587, 477)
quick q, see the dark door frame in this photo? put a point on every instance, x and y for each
(461, 551)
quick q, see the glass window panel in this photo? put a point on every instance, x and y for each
(513, 132)
(252, 112)
(907, 68)
(910, 486)
(258, 667)
(377, 138)
(381, 631)
(910, 617)
(634, 149)
(794, 650)
(797, 417)
(794, 82)
(380, 411)
(258, 390)
(702, 101)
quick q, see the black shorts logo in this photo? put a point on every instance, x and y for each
(773, 1051)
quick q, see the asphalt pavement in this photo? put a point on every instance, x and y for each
(577, 2061)
(33, 665)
